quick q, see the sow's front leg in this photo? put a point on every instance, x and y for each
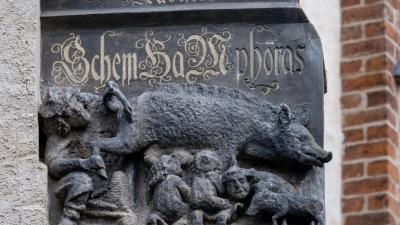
(122, 144)
(126, 141)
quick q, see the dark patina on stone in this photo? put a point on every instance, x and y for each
(182, 112)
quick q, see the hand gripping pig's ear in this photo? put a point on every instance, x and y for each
(285, 115)
(251, 176)
(110, 100)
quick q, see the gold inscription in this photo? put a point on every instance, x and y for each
(157, 64)
(207, 54)
(154, 57)
(73, 65)
(200, 55)
(275, 60)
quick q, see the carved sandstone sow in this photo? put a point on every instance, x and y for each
(220, 118)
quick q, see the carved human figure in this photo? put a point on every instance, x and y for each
(269, 193)
(66, 161)
(171, 193)
(240, 182)
(205, 190)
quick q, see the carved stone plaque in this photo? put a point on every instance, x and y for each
(182, 112)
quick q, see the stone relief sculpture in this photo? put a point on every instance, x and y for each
(206, 188)
(68, 125)
(203, 116)
(282, 204)
(61, 112)
(171, 193)
(193, 138)
(269, 193)
(239, 182)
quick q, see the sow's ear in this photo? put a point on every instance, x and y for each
(285, 115)
(251, 176)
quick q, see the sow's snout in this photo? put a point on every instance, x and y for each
(312, 153)
(316, 155)
(326, 157)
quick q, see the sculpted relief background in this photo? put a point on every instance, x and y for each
(198, 119)
(174, 155)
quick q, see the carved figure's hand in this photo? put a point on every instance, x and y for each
(97, 162)
(94, 162)
(237, 206)
(212, 175)
(221, 203)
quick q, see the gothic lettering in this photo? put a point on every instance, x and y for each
(276, 60)
(198, 56)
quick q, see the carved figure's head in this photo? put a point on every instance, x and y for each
(206, 161)
(62, 110)
(297, 143)
(164, 166)
(238, 182)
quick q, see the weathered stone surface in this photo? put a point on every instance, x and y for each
(187, 96)
(190, 134)
(23, 179)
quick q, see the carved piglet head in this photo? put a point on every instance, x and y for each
(206, 161)
(164, 166)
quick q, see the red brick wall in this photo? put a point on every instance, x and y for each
(370, 48)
